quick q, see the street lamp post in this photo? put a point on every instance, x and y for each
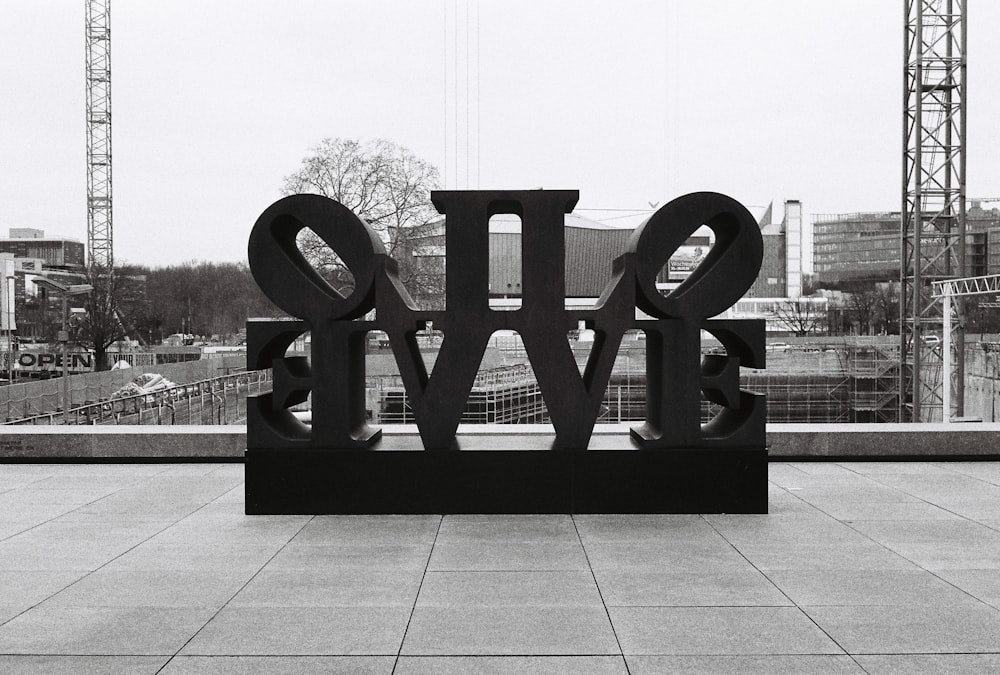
(65, 290)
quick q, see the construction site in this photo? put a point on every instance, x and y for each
(807, 380)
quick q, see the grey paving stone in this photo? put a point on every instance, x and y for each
(940, 485)
(196, 556)
(921, 511)
(963, 532)
(718, 630)
(33, 513)
(950, 555)
(513, 528)
(325, 530)
(29, 587)
(331, 587)
(866, 587)
(55, 556)
(159, 588)
(101, 630)
(952, 664)
(68, 496)
(73, 665)
(728, 588)
(879, 494)
(286, 665)
(297, 556)
(567, 588)
(638, 528)
(665, 556)
(302, 631)
(487, 555)
(987, 471)
(512, 665)
(815, 529)
(911, 629)
(523, 631)
(231, 530)
(73, 535)
(982, 584)
(981, 510)
(8, 612)
(861, 555)
(739, 665)
(878, 469)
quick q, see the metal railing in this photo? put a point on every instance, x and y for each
(219, 400)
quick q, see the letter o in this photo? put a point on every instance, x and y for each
(720, 279)
(283, 273)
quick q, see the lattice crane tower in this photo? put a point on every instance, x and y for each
(933, 210)
(99, 231)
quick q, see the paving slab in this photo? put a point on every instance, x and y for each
(740, 665)
(704, 588)
(302, 631)
(144, 588)
(73, 665)
(105, 631)
(507, 555)
(330, 587)
(911, 629)
(867, 587)
(286, 665)
(718, 630)
(565, 588)
(403, 557)
(981, 584)
(510, 631)
(953, 664)
(511, 665)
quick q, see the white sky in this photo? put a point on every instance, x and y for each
(214, 101)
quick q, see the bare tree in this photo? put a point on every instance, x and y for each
(800, 317)
(389, 188)
(102, 326)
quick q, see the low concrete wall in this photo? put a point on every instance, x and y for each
(122, 442)
(805, 441)
(965, 439)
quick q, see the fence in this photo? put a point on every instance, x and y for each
(219, 400)
(42, 397)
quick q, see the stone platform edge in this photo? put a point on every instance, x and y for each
(965, 440)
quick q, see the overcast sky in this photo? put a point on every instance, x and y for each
(215, 101)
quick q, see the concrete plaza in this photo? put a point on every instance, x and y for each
(142, 568)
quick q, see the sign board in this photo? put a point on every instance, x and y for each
(34, 362)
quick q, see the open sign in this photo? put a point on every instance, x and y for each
(39, 361)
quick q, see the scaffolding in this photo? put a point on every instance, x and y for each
(854, 380)
(868, 389)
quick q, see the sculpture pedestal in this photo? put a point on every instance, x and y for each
(396, 479)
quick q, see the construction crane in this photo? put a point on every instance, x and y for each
(933, 209)
(98, 47)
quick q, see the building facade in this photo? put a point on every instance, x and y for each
(866, 246)
(54, 252)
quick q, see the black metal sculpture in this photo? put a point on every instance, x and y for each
(339, 437)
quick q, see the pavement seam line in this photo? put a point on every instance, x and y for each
(780, 590)
(600, 594)
(416, 597)
(238, 591)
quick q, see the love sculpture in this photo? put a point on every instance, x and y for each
(341, 464)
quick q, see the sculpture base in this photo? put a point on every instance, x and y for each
(381, 481)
